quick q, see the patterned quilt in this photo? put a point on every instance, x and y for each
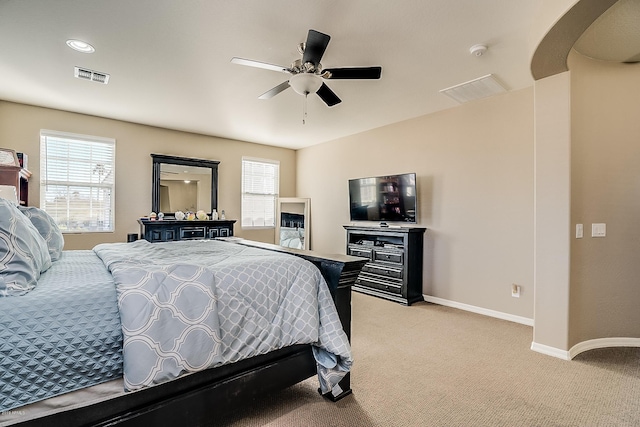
(62, 336)
(191, 305)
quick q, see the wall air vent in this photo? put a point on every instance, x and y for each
(94, 76)
(481, 87)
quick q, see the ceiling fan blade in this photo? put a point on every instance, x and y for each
(276, 90)
(328, 96)
(314, 48)
(355, 72)
(258, 64)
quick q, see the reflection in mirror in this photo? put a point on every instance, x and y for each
(184, 188)
(184, 184)
(292, 227)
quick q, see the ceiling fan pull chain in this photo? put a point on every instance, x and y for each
(304, 108)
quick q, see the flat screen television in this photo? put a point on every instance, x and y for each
(383, 198)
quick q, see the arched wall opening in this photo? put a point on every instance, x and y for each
(585, 124)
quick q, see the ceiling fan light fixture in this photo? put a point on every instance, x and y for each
(305, 84)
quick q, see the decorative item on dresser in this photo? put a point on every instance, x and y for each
(169, 230)
(11, 173)
(394, 270)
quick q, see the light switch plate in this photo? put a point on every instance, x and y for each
(598, 230)
(579, 231)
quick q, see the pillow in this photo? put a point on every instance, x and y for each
(23, 252)
(47, 228)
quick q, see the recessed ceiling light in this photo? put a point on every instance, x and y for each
(80, 46)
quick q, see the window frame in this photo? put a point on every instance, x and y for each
(243, 193)
(111, 187)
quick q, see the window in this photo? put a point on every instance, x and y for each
(260, 184)
(77, 181)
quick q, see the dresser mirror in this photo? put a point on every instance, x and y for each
(292, 225)
(183, 184)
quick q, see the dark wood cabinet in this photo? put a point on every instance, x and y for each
(394, 267)
(171, 230)
(19, 178)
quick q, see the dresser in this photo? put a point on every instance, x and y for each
(171, 230)
(18, 178)
(394, 261)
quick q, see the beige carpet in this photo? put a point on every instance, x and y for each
(429, 365)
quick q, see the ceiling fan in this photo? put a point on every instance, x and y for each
(307, 74)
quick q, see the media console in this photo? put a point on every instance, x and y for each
(394, 269)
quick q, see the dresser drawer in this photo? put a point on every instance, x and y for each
(383, 270)
(192, 233)
(361, 252)
(394, 287)
(388, 256)
(219, 232)
(163, 235)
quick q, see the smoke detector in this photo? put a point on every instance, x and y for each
(478, 49)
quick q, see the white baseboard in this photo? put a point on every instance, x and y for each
(583, 346)
(550, 351)
(540, 348)
(603, 343)
(479, 310)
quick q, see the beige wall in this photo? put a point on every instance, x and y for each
(475, 190)
(552, 211)
(605, 172)
(20, 128)
(586, 128)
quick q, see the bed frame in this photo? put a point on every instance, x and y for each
(193, 400)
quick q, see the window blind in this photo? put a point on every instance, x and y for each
(77, 181)
(260, 186)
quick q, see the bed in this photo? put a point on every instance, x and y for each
(251, 317)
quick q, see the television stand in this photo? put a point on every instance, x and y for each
(394, 267)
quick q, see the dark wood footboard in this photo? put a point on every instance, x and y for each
(194, 399)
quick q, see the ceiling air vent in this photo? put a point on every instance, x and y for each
(481, 87)
(94, 76)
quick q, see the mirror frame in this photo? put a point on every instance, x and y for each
(159, 159)
(307, 218)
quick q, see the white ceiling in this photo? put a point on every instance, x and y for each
(170, 66)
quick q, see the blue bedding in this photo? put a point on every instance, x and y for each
(183, 306)
(62, 336)
(191, 305)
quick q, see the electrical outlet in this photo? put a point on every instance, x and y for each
(515, 290)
